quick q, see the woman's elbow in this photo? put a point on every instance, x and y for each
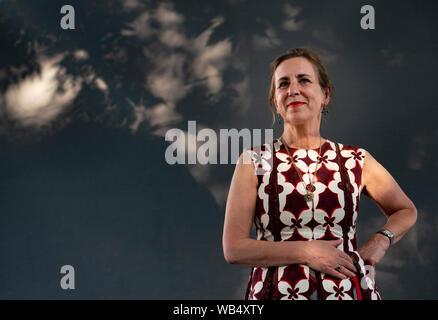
(231, 254)
(231, 259)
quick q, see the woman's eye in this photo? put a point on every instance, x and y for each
(282, 84)
(304, 80)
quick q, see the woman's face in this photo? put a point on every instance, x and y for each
(298, 95)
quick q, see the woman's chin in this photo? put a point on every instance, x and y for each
(296, 119)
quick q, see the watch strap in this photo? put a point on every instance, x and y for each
(387, 234)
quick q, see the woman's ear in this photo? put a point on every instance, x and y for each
(328, 94)
(275, 105)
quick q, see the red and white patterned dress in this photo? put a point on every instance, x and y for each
(282, 214)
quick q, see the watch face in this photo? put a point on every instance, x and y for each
(388, 233)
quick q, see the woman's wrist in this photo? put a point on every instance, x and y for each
(382, 240)
(304, 250)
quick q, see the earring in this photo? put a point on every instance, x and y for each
(279, 119)
(324, 111)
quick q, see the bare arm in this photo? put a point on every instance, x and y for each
(240, 249)
(381, 187)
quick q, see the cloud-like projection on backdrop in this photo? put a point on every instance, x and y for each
(174, 73)
(38, 99)
(290, 24)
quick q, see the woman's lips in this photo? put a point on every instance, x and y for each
(295, 104)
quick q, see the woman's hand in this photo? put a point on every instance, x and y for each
(323, 256)
(374, 250)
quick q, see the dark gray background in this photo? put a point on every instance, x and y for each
(83, 179)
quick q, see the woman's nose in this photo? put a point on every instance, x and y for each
(293, 90)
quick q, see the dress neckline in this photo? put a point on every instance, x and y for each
(292, 148)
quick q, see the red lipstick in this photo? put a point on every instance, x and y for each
(295, 104)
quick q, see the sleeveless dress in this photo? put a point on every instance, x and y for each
(282, 214)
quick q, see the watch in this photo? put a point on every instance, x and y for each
(387, 234)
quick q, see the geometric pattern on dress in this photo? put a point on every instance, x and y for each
(323, 219)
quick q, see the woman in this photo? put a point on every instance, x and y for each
(304, 199)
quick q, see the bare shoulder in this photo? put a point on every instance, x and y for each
(246, 167)
(368, 163)
(380, 186)
(372, 171)
(241, 201)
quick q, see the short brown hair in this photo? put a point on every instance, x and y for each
(323, 77)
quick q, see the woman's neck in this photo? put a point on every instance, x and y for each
(302, 137)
